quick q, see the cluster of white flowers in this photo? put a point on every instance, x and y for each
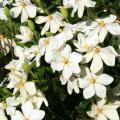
(89, 52)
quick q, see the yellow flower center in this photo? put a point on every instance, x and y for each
(101, 23)
(92, 81)
(20, 85)
(50, 17)
(99, 110)
(97, 49)
(65, 61)
(23, 4)
(60, 30)
(1, 37)
(46, 42)
(87, 47)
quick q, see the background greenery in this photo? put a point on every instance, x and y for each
(61, 105)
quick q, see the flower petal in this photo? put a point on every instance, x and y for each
(97, 64)
(100, 90)
(37, 114)
(27, 109)
(89, 92)
(104, 79)
(15, 12)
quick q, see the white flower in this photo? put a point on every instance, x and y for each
(2, 14)
(29, 113)
(103, 111)
(53, 21)
(44, 43)
(35, 53)
(26, 34)
(19, 83)
(85, 44)
(38, 99)
(72, 83)
(56, 44)
(93, 84)
(10, 105)
(66, 33)
(4, 2)
(14, 65)
(105, 25)
(22, 53)
(6, 44)
(25, 7)
(68, 62)
(78, 5)
(100, 55)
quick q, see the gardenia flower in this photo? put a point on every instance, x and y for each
(100, 55)
(25, 7)
(38, 99)
(53, 21)
(26, 34)
(93, 84)
(72, 83)
(20, 84)
(6, 44)
(105, 25)
(85, 44)
(103, 111)
(66, 33)
(78, 5)
(35, 54)
(10, 105)
(29, 113)
(68, 62)
(52, 53)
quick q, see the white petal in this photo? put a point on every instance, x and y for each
(70, 87)
(31, 10)
(54, 26)
(100, 90)
(112, 114)
(45, 28)
(101, 103)
(110, 19)
(18, 116)
(80, 9)
(102, 34)
(75, 68)
(101, 117)
(63, 81)
(15, 12)
(27, 109)
(89, 92)
(89, 3)
(75, 57)
(37, 114)
(18, 51)
(107, 56)
(76, 86)
(96, 64)
(40, 19)
(30, 88)
(66, 72)
(88, 56)
(104, 79)
(24, 16)
(66, 51)
(113, 28)
(83, 83)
